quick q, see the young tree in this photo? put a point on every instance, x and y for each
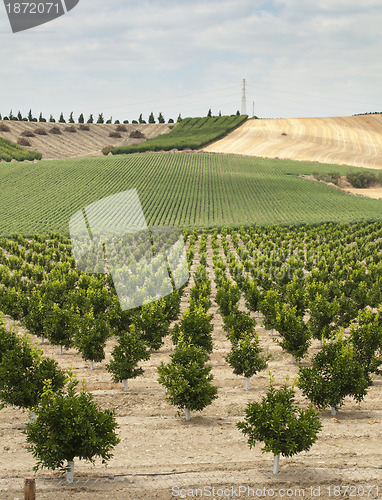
(197, 327)
(238, 322)
(91, 336)
(161, 119)
(19, 116)
(324, 314)
(152, 323)
(90, 119)
(60, 326)
(81, 118)
(267, 306)
(100, 118)
(130, 350)
(68, 425)
(71, 119)
(61, 119)
(51, 119)
(41, 118)
(366, 337)
(335, 373)
(23, 369)
(283, 427)
(140, 119)
(245, 356)
(295, 335)
(209, 114)
(30, 116)
(187, 378)
(151, 118)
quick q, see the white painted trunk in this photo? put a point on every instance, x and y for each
(293, 360)
(32, 417)
(333, 410)
(42, 339)
(60, 350)
(276, 461)
(125, 384)
(271, 334)
(91, 364)
(187, 413)
(70, 471)
(247, 383)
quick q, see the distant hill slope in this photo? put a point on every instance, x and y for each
(80, 143)
(355, 140)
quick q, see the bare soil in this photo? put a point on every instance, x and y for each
(160, 451)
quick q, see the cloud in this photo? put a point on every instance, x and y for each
(128, 57)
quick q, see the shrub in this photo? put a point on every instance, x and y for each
(23, 142)
(361, 179)
(136, 134)
(4, 128)
(84, 127)
(27, 133)
(41, 131)
(121, 128)
(55, 130)
(117, 135)
(71, 129)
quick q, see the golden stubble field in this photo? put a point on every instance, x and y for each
(160, 452)
(81, 143)
(350, 140)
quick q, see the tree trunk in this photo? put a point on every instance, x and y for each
(333, 410)
(70, 471)
(247, 383)
(32, 417)
(42, 339)
(125, 384)
(91, 364)
(60, 350)
(293, 360)
(271, 334)
(187, 414)
(276, 460)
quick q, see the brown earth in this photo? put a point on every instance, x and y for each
(353, 140)
(160, 452)
(81, 143)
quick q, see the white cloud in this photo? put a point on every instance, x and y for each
(127, 57)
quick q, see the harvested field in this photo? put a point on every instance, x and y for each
(81, 144)
(355, 140)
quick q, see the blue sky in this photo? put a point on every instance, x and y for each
(126, 57)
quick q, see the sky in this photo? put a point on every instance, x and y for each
(299, 58)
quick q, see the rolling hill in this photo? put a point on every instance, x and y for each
(78, 144)
(355, 140)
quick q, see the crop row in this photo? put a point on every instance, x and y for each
(191, 133)
(12, 151)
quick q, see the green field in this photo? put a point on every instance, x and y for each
(182, 190)
(190, 133)
(11, 151)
